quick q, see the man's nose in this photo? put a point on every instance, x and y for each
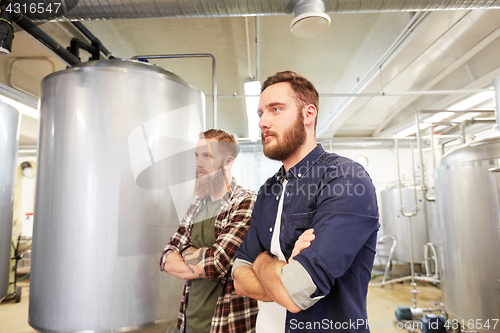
(264, 122)
(199, 162)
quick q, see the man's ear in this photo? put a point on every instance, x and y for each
(310, 114)
(228, 162)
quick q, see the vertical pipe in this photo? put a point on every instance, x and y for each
(257, 48)
(413, 284)
(496, 84)
(396, 147)
(431, 134)
(422, 171)
(414, 178)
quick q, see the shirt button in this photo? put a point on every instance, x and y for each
(300, 175)
(270, 229)
(277, 197)
(287, 193)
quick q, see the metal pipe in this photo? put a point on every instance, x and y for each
(444, 143)
(46, 40)
(493, 172)
(427, 259)
(391, 253)
(403, 93)
(94, 9)
(406, 278)
(257, 48)
(496, 84)
(414, 178)
(412, 269)
(422, 171)
(93, 39)
(401, 209)
(462, 131)
(194, 55)
(431, 134)
(248, 49)
(457, 112)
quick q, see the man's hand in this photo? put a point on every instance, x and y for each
(303, 242)
(267, 270)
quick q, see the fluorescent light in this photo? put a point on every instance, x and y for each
(24, 109)
(252, 103)
(438, 117)
(411, 130)
(472, 101)
(426, 124)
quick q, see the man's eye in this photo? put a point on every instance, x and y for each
(276, 110)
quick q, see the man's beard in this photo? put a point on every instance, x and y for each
(288, 142)
(210, 183)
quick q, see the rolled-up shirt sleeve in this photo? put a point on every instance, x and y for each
(299, 285)
(240, 263)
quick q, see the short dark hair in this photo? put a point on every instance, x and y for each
(228, 146)
(305, 92)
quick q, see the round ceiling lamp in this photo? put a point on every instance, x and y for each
(310, 19)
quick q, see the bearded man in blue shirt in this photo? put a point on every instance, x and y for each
(309, 251)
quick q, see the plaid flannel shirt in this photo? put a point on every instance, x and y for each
(233, 313)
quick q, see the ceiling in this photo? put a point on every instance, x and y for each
(372, 70)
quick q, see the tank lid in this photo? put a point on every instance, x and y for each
(122, 65)
(485, 149)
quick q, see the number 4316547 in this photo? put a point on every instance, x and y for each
(33, 8)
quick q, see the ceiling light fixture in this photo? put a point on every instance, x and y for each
(252, 92)
(425, 124)
(472, 101)
(310, 19)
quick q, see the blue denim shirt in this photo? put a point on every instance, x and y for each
(336, 197)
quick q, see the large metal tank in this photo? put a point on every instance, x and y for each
(467, 188)
(395, 224)
(9, 142)
(114, 175)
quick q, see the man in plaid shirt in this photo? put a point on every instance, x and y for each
(203, 248)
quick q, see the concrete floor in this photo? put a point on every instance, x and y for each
(382, 303)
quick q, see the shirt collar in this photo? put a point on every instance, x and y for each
(300, 169)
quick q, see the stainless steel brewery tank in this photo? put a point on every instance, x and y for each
(9, 141)
(467, 188)
(114, 168)
(395, 224)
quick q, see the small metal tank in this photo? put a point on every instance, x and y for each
(113, 152)
(395, 224)
(467, 192)
(9, 142)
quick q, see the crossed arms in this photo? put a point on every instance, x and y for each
(184, 261)
(262, 280)
(187, 265)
